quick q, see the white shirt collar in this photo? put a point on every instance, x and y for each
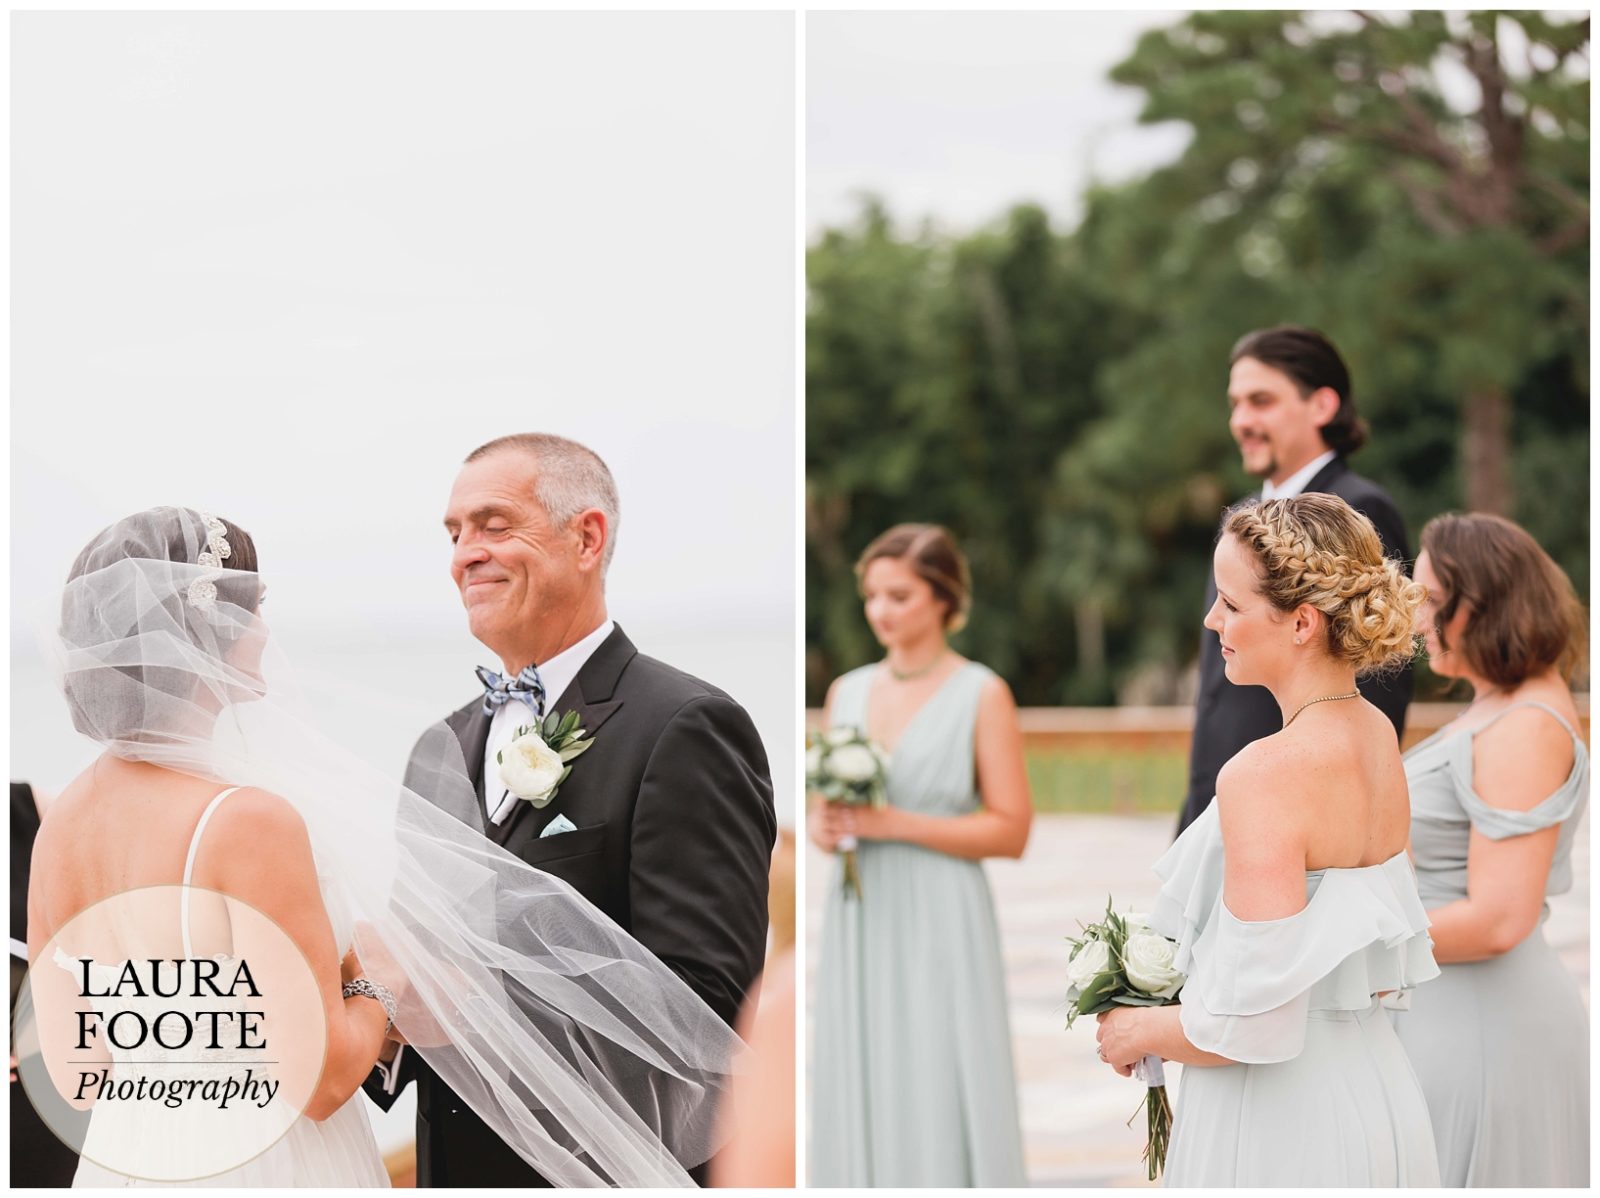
(557, 673)
(1296, 482)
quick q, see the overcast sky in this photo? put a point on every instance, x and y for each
(959, 115)
(294, 266)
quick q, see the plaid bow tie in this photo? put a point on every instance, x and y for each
(526, 686)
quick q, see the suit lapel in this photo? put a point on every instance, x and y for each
(591, 695)
(593, 690)
(1322, 481)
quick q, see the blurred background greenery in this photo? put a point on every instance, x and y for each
(1056, 396)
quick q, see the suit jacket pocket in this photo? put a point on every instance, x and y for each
(543, 850)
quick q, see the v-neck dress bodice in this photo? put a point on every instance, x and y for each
(931, 766)
(912, 1081)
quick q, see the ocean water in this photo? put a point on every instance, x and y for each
(375, 692)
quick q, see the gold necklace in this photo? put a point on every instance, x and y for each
(1321, 699)
(910, 675)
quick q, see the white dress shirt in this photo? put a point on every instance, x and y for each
(1297, 481)
(556, 674)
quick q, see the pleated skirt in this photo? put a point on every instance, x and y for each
(1348, 1111)
(1502, 1050)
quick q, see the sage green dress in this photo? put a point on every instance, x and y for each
(1322, 1093)
(912, 1082)
(1502, 1045)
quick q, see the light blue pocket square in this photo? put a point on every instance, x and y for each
(557, 826)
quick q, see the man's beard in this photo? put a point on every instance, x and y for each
(1265, 471)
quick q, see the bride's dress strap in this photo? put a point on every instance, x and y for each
(188, 864)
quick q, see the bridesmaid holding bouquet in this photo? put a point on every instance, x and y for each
(912, 1080)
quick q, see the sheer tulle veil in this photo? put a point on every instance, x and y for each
(572, 1042)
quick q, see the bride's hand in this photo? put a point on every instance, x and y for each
(1118, 1035)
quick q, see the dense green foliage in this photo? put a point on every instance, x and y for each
(1058, 397)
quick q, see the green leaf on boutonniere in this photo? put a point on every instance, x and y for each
(575, 748)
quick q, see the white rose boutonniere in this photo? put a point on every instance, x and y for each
(538, 758)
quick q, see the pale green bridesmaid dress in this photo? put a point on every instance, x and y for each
(912, 1081)
(1502, 1045)
(1322, 1094)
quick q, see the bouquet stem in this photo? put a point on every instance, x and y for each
(852, 867)
(1158, 1114)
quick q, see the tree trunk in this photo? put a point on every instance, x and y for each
(1486, 450)
(1091, 622)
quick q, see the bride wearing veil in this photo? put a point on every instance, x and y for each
(585, 1053)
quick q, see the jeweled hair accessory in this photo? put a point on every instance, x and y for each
(203, 590)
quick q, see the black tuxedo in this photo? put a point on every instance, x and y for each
(673, 840)
(1228, 717)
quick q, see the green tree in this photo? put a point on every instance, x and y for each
(1478, 123)
(1058, 398)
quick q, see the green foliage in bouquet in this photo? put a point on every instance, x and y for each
(843, 766)
(1110, 986)
(1123, 962)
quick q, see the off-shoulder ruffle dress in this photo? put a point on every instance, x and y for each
(1323, 1093)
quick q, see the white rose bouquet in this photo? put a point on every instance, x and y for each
(1123, 962)
(843, 766)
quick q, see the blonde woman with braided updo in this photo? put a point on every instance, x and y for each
(1501, 1041)
(1291, 897)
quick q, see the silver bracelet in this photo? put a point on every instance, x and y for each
(367, 988)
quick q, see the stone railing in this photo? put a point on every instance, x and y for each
(1167, 729)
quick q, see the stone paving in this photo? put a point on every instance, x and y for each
(1074, 1108)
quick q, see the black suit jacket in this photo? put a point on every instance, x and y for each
(673, 840)
(1228, 717)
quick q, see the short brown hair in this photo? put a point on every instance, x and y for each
(933, 556)
(1524, 616)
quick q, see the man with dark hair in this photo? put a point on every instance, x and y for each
(1294, 418)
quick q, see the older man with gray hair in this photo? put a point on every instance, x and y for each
(666, 824)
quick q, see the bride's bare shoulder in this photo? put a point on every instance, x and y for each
(250, 813)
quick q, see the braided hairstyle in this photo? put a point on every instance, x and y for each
(1316, 549)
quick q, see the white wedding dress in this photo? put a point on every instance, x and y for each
(337, 1151)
